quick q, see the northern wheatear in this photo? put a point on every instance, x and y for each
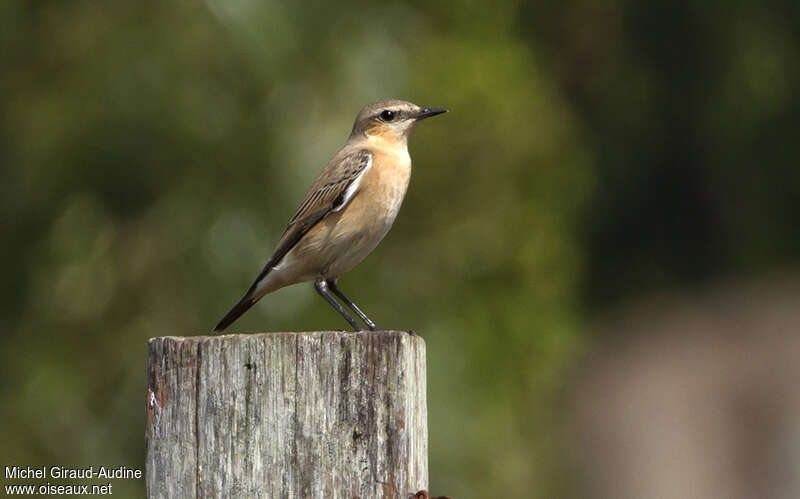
(348, 209)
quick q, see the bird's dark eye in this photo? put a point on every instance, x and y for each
(387, 115)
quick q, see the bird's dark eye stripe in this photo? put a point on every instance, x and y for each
(387, 115)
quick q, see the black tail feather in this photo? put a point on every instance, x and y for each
(244, 304)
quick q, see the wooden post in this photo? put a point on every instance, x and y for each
(287, 415)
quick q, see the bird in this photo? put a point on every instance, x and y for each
(346, 212)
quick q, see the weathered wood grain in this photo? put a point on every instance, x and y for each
(289, 415)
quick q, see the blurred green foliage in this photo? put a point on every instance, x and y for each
(151, 153)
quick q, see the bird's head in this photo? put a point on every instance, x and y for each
(390, 119)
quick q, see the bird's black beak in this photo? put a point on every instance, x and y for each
(429, 111)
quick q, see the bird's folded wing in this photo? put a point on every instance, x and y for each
(330, 192)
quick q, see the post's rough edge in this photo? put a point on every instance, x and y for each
(220, 337)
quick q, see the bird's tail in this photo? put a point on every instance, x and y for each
(264, 284)
(247, 301)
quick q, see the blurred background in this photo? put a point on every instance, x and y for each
(599, 244)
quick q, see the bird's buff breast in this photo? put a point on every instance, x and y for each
(343, 239)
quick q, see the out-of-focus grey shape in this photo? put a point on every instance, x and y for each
(694, 397)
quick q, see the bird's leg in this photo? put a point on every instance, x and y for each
(334, 285)
(322, 288)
